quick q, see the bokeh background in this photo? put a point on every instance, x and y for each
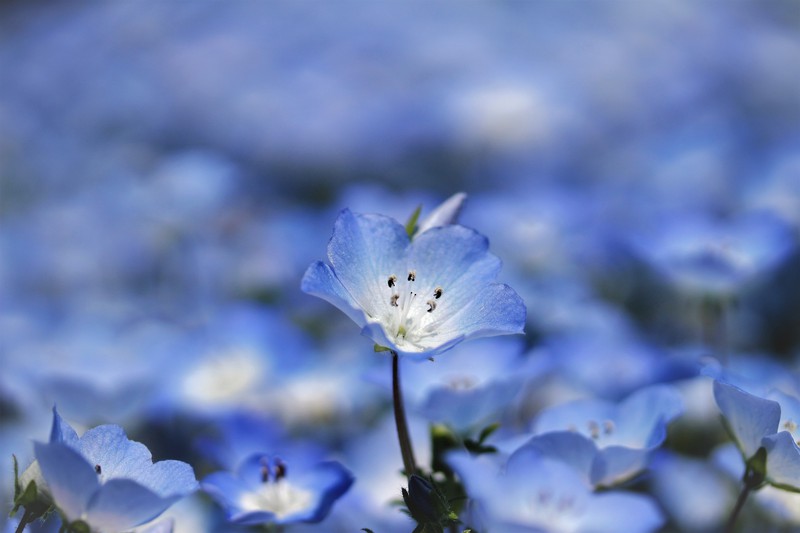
(169, 170)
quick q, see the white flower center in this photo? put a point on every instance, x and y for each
(277, 497)
(412, 315)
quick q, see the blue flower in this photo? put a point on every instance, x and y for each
(417, 297)
(624, 434)
(266, 489)
(756, 423)
(104, 479)
(531, 492)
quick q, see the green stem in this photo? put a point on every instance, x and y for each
(729, 528)
(409, 464)
(26, 519)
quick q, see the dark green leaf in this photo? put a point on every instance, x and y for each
(411, 225)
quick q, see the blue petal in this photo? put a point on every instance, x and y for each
(614, 512)
(71, 480)
(574, 415)
(118, 457)
(330, 480)
(63, 432)
(643, 416)
(568, 447)
(225, 489)
(783, 461)
(121, 504)
(749, 417)
(321, 281)
(494, 310)
(618, 463)
(364, 251)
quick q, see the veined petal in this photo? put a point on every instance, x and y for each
(749, 417)
(618, 463)
(783, 461)
(121, 504)
(321, 281)
(364, 250)
(496, 309)
(568, 447)
(118, 457)
(71, 480)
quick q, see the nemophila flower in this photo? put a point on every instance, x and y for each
(416, 297)
(103, 479)
(757, 423)
(625, 434)
(531, 492)
(268, 490)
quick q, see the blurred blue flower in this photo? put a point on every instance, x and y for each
(625, 434)
(265, 489)
(535, 493)
(418, 298)
(104, 479)
(756, 423)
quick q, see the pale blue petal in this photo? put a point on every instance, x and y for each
(445, 213)
(226, 489)
(617, 512)
(364, 251)
(71, 480)
(118, 457)
(783, 460)
(168, 478)
(566, 446)
(617, 463)
(642, 417)
(329, 480)
(494, 310)
(578, 415)
(320, 280)
(749, 417)
(121, 504)
(63, 432)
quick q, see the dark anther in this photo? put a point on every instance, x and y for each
(437, 293)
(431, 305)
(412, 276)
(98, 469)
(264, 474)
(280, 469)
(392, 281)
(393, 300)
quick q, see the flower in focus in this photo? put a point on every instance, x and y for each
(103, 479)
(264, 490)
(416, 297)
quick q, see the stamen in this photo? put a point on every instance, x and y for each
(431, 305)
(790, 426)
(594, 429)
(437, 292)
(264, 474)
(392, 281)
(393, 300)
(412, 275)
(98, 469)
(608, 427)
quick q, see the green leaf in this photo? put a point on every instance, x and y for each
(79, 526)
(379, 348)
(411, 225)
(487, 431)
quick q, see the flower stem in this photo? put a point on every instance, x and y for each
(409, 464)
(737, 508)
(26, 519)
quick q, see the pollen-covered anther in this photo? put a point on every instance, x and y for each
(412, 275)
(393, 300)
(97, 469)
(437, 292)
(392, 281)
(790, 426)
(431, 305)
